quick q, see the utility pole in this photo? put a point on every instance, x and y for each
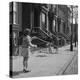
(71, 45)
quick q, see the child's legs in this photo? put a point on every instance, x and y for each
(50, 50)
(57, 50)
(25, 62)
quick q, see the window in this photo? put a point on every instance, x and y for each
(14, 13)
(15, 18)
(43, 17)
(43, 20)
(54, 25)
(15, 6)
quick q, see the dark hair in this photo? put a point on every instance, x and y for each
(26, 32)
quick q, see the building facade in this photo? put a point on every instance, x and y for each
(48, 22)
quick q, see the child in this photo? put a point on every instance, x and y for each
(26, 48)
(50, 49)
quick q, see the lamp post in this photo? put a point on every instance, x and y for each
(75, 33)
(71, 45)
(76, 16)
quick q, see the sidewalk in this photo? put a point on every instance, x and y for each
(43, 64)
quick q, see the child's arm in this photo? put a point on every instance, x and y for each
(32, 45)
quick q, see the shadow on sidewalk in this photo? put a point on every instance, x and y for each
(15, 73)
(70, 51)
(41, 56)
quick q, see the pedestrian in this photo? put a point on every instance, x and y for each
(49, 48)
(26, 48)
(56, 46)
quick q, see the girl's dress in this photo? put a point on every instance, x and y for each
(25, 47)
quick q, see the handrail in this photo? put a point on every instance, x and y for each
(43, 40)
(63, 35)
(42, 31)
(40, 39)
(55, 36)
(46, 33)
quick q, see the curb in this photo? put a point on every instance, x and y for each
(66, 65)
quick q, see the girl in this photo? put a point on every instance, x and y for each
(26, 49)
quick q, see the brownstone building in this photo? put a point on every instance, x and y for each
(48, 22)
